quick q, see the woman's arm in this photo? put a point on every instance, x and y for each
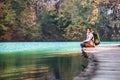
(89, 37)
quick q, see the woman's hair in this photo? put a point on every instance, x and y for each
(90, 29)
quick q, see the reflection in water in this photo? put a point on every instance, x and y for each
(18, 66)
(41, 60)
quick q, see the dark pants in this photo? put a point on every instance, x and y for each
(82, 45)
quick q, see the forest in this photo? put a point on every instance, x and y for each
(58, 20)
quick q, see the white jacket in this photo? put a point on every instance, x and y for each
(90, 38)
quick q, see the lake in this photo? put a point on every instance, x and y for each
(41, 60)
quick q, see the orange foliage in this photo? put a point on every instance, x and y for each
(95, 1)
(109, 1)
(6, 37)
(104, 1)
(95, 14)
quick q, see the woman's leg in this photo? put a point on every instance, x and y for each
(88, 45)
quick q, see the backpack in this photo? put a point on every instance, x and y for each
(96, 38)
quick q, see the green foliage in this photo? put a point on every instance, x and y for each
(79, 14)
(18, 6)
(67, 23)
(51, 27)
(17, 22)
(2, 30)
(49, 23)
(20, 21)
(74, 33)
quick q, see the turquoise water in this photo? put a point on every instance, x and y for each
(41, 60)
(105, 43)
(43, 47)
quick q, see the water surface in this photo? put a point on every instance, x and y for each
(41, 60)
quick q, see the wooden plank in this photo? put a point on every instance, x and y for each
(104, 66)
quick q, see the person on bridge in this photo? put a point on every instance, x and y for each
(89, 42)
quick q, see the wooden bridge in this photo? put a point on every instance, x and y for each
(104, 63)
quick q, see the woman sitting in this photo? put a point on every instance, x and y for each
(89, 42)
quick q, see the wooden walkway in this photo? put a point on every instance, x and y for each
(104, 64)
